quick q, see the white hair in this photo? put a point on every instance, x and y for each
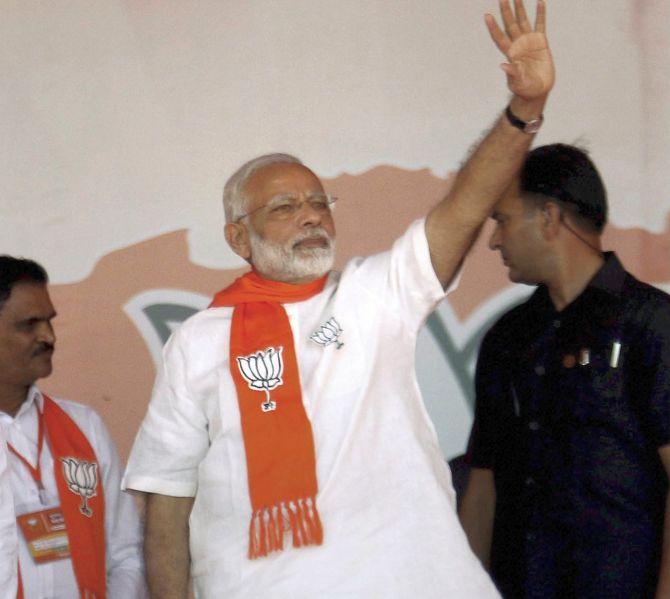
(234, 201)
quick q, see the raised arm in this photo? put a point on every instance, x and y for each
(452, 225)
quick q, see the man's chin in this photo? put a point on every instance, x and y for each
(517, 277)
(41, 372)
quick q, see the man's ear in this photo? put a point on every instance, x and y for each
(237, 237)
(551, 219)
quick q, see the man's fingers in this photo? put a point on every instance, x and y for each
(509, 20)
(521, 16)
(497, 35)
(540, 17)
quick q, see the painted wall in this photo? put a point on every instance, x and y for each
(121, 120)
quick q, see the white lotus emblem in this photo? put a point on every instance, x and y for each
(328, 333)
(82, 479)
(263, 371)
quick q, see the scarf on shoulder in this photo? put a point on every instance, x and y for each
(81, 499)
(278, 442)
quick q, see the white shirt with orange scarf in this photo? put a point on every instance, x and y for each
(384, 490)
(56, 579)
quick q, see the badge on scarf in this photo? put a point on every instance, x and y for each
(263, 372)
(82, 479)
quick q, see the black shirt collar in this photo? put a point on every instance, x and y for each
(610, 279)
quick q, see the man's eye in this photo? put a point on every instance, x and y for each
(283, 209)
(319, 204)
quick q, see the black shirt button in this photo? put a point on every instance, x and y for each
(530, 481)
(534, 425)
(539, 370)
(557, 324)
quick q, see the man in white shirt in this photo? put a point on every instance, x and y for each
(289, 413)
(8, 544)
(79, 535)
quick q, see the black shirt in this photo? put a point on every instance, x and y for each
(572, 407)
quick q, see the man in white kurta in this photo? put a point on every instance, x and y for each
(56, 579)
(27, 343)
(8, 540)
(384, 495)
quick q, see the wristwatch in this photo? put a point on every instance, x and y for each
(530, 127)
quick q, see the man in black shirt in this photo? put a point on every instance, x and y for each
(570, 449)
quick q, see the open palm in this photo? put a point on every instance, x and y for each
(530, 67)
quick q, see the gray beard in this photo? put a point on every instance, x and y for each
(287, 263)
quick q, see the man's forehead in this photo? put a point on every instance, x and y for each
(280, 178)
(28, 300)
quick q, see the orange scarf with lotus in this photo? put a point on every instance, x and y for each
(278, 442)
(81, 499)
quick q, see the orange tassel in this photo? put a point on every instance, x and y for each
(302, 524)
(267, 527)
(263, 549)
(253, 538)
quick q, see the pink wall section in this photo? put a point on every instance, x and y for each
(103, 360)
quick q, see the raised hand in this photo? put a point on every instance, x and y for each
(530, 70)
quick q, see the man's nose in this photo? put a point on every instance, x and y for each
(308, 215)
(494, 240)
(46, 333)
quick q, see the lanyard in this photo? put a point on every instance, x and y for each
(35, 471)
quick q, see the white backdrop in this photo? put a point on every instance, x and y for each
(120, 120)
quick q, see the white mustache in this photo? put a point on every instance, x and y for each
(316, 233)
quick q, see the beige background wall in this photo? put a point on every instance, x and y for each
(121, 120)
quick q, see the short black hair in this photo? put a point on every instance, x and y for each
(19, 270)
(566, 174)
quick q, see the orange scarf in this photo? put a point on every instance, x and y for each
(278, 442)
(76, 469)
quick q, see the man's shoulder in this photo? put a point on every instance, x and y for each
(203, 322)
(512, 322)
(635, 290)
(646, 308)
(88, 420)
(84, 416)
(73, 407)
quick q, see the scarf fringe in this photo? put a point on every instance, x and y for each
(268, 525)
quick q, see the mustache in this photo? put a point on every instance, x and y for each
(43, 348)
(315, 233)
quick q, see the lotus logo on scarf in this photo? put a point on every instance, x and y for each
(328, 333)
(82, 480)
(263, 371)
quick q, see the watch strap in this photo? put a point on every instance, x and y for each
(530, 127)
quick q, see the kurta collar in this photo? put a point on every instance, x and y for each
(33, 398)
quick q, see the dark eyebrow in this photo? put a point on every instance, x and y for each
(34, 319)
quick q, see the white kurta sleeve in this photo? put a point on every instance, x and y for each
(403, 279)
(173, 438)
(8, 536)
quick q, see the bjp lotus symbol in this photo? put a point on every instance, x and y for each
(82, 480)
(329, 332)
(263, 371)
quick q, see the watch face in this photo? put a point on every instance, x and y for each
(533, 126)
